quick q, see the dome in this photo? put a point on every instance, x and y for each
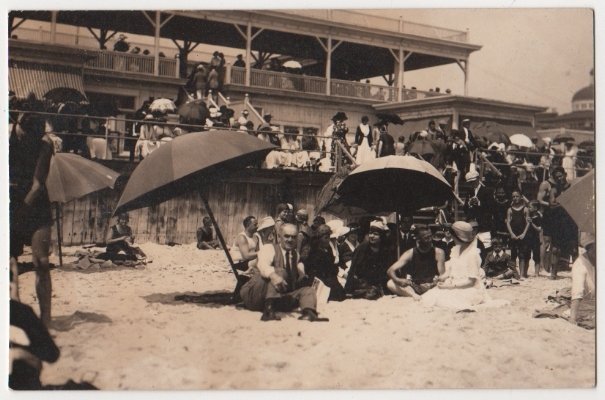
(584, 94)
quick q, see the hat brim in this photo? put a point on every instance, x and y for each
(454, 233)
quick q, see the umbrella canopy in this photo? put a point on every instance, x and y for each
(422, 147)
(394, 183)
(498, 137)
(186, 164)
(587, 144)
(521, 140)
(563, 138)
(292, 64)
(71, 176)
(64, 95)
(390, 118)
(329, 201)
(579, 202)
(193, 112)
(162, 106)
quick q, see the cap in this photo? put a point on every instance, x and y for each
(471, 176)
(463, 231)
(378, 225)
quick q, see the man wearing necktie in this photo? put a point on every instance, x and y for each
(280, 283)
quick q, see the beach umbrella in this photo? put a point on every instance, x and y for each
(563, 138)
(498, 137)
(188, 163)
(521, 140)
(70, 177)
(193, 112)
(329, 201)
(390, 118)
(162, 106)
(292, 64)
(64, 94)
(579, 202)
(401, 184)
(587, 144)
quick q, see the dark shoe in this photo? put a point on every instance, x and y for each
(269, 316)
(311, 316)
(269, 312)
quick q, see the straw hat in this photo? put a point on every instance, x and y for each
(378, 225)
(463, 231)
(335, 224)
(343, 231)
(471, 176)
(267, 222)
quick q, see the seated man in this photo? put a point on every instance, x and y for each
(421, 264)
(206, 238)
(583, 283)
(280, 282)
(498, 264)
(120, 239)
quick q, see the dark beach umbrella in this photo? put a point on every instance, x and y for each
(193, 112)
(587, 144)
(390, 118)
(563, 138)
(400, 184)
(63, 95)
(579, 202)
(329, 201)
(498, 137)
(188, 163)
(70, 177)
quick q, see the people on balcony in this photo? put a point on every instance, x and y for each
(239, 61)
(121, 44)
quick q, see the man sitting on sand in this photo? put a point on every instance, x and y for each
(280, 283)
(421, 264)
(206, 238)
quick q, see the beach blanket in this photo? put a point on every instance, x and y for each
(559, 306)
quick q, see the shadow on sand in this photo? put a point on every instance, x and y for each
(212, 299)
(65, 323)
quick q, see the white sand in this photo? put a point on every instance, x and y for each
(389, 343)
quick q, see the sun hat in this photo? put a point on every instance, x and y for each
(335, 225)
(343, 231)
(302, 212)
(463, 231)
(586, 239)
(267, 222)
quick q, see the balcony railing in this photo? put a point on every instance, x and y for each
(383, 23)
(133, 63)
(317, 85)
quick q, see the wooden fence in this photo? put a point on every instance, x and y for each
(251, 192)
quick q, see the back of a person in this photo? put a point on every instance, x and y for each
(388, 144)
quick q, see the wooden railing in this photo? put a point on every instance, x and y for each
(132, 63)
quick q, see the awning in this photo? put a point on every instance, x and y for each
(483, 128)
(26, 77)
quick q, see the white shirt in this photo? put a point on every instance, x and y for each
(582, 279)
(266, 254)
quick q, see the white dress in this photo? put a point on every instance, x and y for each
(460, 267)
(364, 151)
(569, 163)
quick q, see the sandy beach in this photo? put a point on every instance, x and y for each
(123, 329)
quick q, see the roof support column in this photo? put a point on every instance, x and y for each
(53, 26)
(156, 44)
(401, 70)
(329, 65)
(248, 52)
(465, 69)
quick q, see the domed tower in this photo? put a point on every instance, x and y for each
(584, 98)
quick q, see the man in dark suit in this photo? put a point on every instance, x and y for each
(479, 206)
(466, 135)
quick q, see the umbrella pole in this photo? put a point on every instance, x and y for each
(397, 230)
(58, 217)
(219, 235)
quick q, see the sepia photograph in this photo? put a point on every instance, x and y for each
(293, 198)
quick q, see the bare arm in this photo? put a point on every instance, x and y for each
(440, 258)
(575, 305)
(526, 224)
(41, 172)
(542, 193)
(245, 250)
(509, 214)
(392, 271)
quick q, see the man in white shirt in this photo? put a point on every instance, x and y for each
(281, 282)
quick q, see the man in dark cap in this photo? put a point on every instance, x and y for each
(239, 62)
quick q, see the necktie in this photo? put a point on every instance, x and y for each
(289, 269)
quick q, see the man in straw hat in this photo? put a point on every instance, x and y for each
(280, 284)
(479, 206)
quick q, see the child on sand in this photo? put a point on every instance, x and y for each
(498, 264)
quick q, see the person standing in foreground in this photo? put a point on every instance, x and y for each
(280, 283)
(421, 264)
(30, 153)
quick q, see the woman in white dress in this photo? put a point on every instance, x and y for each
(569, 160)
(461, 286)
(364, 141)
